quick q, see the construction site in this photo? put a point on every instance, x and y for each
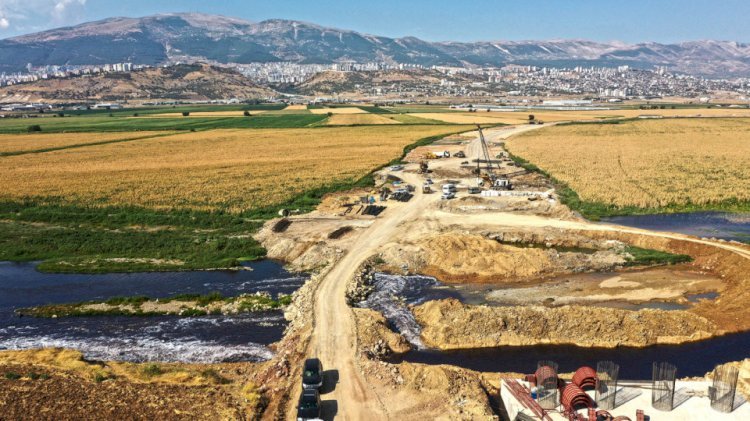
(463, 215)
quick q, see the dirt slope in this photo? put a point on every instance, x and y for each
(188, 82)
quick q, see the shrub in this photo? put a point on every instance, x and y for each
(186, 113)
(214, 377)
(247, 113)
(12, 376)
(34, 128)
(152, 370)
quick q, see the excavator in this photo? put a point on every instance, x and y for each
(423, 167)
(488, 176)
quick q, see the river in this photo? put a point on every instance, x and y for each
(395, 293)
(155, 338)
(726, 226)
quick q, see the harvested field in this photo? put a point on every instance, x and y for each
(343, 110)
(521, 117)
(359, 119)
(647, 163)
(233, 170)
(461, 118)
(11, 143)
(296, 107)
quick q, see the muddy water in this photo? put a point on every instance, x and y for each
(394, 294)
(726, 226)
(692, 359)
(160, 338)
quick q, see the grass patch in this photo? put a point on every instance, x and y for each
(69, 238)
(192, 305)
(214, 377)
(648, 257)
(10, 375)
(152, 370)
(87, 124)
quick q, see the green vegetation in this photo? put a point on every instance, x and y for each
(648, 257)
(375, 109)
(152, 370)
(127, 124)
(213, 376)
(70, 238)
(125, 112)
(10, 375)
(189, 305)
(73, 238)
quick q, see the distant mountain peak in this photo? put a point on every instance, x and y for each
(196, 36)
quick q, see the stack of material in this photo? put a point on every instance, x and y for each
(573, 398)
(401, 196)
(373, 210)
(585, 378)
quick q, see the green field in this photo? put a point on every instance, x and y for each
(104, 123)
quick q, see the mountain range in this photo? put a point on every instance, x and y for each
(189, 37)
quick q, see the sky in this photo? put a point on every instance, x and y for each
(629, 21)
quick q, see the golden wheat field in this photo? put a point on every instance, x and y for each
(223, 169)
(296, 107)
(646, 163)
(337, 110)
(350, 119)
(35, 141)
(549, 116)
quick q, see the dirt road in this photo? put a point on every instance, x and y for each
(334, 329)
(334, 332)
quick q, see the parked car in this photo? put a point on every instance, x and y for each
(449, 188)
(312, 374)
(448, 196)
(308, 408)
(396, 167)
(428, 181)
(474, 190)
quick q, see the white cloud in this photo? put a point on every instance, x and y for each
(32, 15)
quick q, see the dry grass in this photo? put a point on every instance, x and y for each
(522, 117)
(337, 110)
(36, 141)
(296, 107)
(351, 119)
(224, 169)
(646, 163)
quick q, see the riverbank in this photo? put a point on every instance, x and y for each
(185, 305)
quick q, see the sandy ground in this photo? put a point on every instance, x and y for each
(368, 389)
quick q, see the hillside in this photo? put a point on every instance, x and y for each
(158, 39)
(330, 82)
(185, 82)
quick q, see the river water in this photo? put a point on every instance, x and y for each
(726, 226)
(394, 293)
(160, 338)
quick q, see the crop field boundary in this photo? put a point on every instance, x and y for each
(83, 145)
(307, 201)
(595, 211)
(136, 238)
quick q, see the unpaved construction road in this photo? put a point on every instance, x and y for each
(334, 333)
